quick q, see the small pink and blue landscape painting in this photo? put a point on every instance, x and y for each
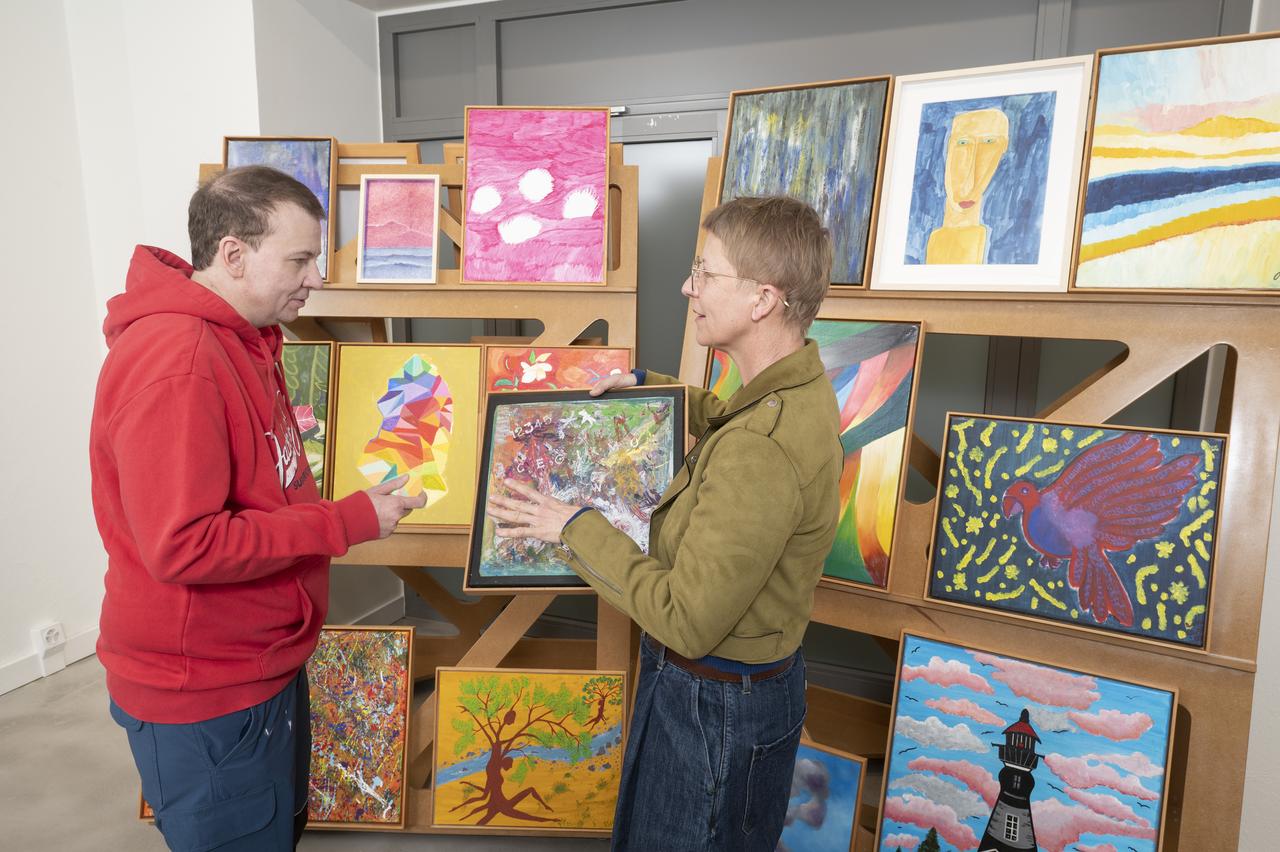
(398, 230)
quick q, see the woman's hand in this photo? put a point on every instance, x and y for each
(529, 513)
(614, 381)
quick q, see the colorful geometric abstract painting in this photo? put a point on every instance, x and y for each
(526, 749)
(872, 367)
(306, 377)
(1090, 525)
(361, 686)
(408, 408)
(817, 143)
(536, 195)
(510, 368)
(312, 161)
(996, 752)
(397, 234)
(1184, 169)
(826, 791)
(616, 453)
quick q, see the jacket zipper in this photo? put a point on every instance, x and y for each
(593, 572)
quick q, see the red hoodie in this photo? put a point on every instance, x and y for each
(217, 540)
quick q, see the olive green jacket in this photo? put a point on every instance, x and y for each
(738, 542)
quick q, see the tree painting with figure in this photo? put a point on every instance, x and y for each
(602, 692)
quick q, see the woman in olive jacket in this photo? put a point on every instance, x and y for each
(737, 546)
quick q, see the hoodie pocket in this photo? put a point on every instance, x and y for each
(282, 655)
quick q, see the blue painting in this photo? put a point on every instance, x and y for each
(820, 144)
(822, 813)
(309, 161)
(1102, 527)
(995, 752)
(981, 175)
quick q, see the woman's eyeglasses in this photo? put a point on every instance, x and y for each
(699, 276)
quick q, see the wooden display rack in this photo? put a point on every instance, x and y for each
(1163, 332)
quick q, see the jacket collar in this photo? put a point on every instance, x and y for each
(798, 368)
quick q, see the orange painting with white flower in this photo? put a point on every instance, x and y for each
(512, 368)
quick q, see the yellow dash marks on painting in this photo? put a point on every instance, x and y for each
(958, 508)
(1202, 550)
(968, 557)
(946, 528)
(987, 576)
(987, 552)
(1050, 470)
(1186, 532)
(1026, 439)
(1207, 487)
(1193, 612)
(1230, 214)
(1196, 570)
(1035, 460)
(1006, 596)
(991, 463)
(1160, 614)
(1208, 456)
(1040, 590)
(959, 429)
(1004, 559)
(985, 437)
(1143, 573)
(1089, 439)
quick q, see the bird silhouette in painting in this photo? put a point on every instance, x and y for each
(1108, 499)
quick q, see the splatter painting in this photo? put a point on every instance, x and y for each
(1096, 526)
(397, 233)
(361, 686)
(511, 368)
(871, 366)
(820, 144)
(311, 161)
(536, 195)
(1184, 169)
(518, 750)
(306, 377)
(826, 790)
(404, 408)
(995, 752)
(616, 453)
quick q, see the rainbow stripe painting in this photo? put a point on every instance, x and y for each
(1184, 169)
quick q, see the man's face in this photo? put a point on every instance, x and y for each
(282, 271)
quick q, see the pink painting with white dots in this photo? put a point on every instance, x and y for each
(536, 195)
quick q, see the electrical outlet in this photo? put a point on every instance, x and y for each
(50, 642)
(49, 637)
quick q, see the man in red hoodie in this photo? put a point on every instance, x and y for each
(217, 540)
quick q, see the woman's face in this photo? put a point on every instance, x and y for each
(722, 301)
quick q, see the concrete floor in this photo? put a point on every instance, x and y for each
(67, 781)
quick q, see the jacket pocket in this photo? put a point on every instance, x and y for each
(286, 654)
(769, 782)
(220, 823)
(224, 737)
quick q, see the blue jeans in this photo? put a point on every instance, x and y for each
(234, 783)
(708, 763)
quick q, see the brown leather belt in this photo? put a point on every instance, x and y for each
(710, 672)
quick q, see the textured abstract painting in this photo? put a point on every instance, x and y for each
(306, 377)
(871, 366)
(519, 750)
(511, 368)
(820, 144)
(397, 234)
(311, 161)
(826, 790)
(616, 453)
(361, 686)
(408, 408)
(1184, 169)
(996, 752)
(1096, 526)
(536, 195)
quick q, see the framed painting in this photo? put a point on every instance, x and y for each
(409, 408)
(826, 791)
(396, 239)
(989, 751)
(820, 143)
(517, 750)
(307, 368)
(536, 198)
(616, 453)
(872, 367)
(1095, 526)
(511, 368)
(312, 160)
(982, 173)
(1183, 166)
(361, 691)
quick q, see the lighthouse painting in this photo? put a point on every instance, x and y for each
(991, 753)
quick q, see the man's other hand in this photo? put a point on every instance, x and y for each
(392, 508)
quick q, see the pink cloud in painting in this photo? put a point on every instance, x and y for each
(1041, 683)
(1107, 805)
(400, 213)
(1136, 762)
(972, 775)
(914, 810)
(1101, 847)
(1113, 724)
(1078, 772)
(536, 190)
(949, 673)
(905, 842)
(1059, 825)
(964, 707)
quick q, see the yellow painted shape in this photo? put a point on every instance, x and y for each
(946, 528)
(991, 463)
(987, 576)
(1186, 532)
(1024, 440)
(1089, 439)
(1006, 596)
(985, 437)
(1004, 559)
(1051, 469)
(967, 558)
(1202, 550)
(1196, 571)
(1143, 573)
(1208, 456)
(1242, 213)
(1042, 592)
(1160, 614)
(1193, 612)
(987, 552)
(1035, 460)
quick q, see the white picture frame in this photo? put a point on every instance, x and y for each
(368, 269)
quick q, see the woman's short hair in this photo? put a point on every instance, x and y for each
(239, 203)
(779, 241)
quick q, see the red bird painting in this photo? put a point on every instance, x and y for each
(1108, 499)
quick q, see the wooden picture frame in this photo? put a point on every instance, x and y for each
(476, 581)
(536, 377)
(321, 421)
(861, 234)
(1173, 244)
(367, 275)
(794, 837)
(535, 185)
(329, 228)
(974, 256)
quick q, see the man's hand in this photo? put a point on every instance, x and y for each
(392, 508)
(526, 513)
(614, 381)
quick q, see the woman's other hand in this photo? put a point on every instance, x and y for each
(614, 381)
(528, 513)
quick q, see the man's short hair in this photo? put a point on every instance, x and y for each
(779, 241)
(239, 203)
